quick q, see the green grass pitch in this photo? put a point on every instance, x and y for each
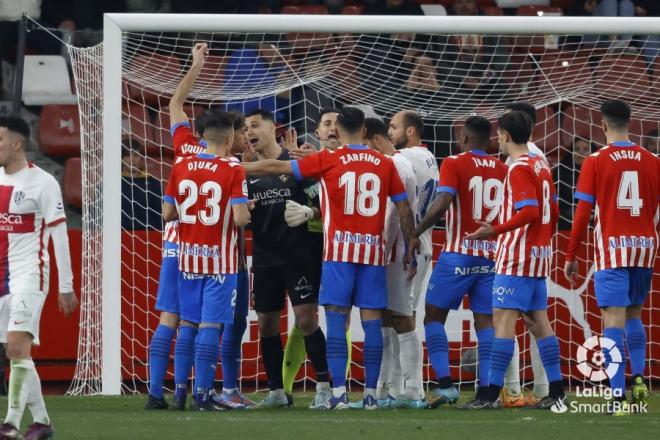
(124, 418)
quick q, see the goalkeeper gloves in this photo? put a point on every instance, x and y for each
(296, 214)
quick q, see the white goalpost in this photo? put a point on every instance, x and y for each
(298, 64)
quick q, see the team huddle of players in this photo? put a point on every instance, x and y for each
(350, 225)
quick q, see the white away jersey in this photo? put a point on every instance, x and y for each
(425, 167)
(395, 245)
(30, 202)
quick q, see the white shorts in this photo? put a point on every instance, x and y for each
(399, 290)
(421, 280)
(21, 312)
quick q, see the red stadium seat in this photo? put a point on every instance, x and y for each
(352, 10)
(72, 183)
(160, 168)
(624, 76)
(305, 9)
(578, 121)
(537, 10)
(162, 134)
(161, 69)
(59, 130)
(566, 71)
(640, 128)
(212, 74)
(546, 131)
(564, 4)
(137, 125)
(492, 10)
(520, 73)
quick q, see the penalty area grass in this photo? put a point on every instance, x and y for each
(124, 418)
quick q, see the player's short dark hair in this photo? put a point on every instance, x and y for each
(413, 119)
(15, 124)
(351, 119)
(375, 127)
(478, 128)
(239, 120)
(219, 121)
(616, 113)
(325, 111)
(517, 124)
(524, 107)
(265, 114)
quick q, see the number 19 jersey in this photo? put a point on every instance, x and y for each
(204, 188)
(355, 183)
(622, 180)
(475, 179)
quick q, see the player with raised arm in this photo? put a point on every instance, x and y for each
(284, 261)
(621, 184)
(405, 131)
(400, 297)
(470, 191)
(355, 181)
(524, 253)
(207, 193)
(31, 212)
(512, 395)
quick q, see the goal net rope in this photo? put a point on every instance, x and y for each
(446, 78)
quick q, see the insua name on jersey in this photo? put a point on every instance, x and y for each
(202, 165)
(625, 154)
(359, 157)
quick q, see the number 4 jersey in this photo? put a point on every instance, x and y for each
(475, 179)
(204, 188)
(622, 181)
(355, 183)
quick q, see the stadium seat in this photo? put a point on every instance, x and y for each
(137, 124)
(537, 10)
(492, 10)
(159, 167)
(564, 4)
(623, 75)
(640, 127)
(161, 68)
(485, 3)
(546, 133)
(212, 74)
(566, 71)
(72, 183)
(520, 73)
(162, 134)
(305, 9)
(59, 130)
(352, 10)
(578, 121)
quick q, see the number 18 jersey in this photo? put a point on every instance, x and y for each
(622, 180)
(355, 183)
(475, 179)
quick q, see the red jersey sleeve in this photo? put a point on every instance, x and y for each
(586, 187)
(239, 192)
(448, 177)
(312, 166)
(184, 140)
(523, 187)
(397, 189)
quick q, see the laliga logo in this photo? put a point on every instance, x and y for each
(593, 368)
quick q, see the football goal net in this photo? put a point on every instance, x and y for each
(445, 68)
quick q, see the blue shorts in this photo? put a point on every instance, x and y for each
(208, 299)
(351, 284)
(623, 286)
(242, 294)
(167, 299)
(456, 275)
(521, 293)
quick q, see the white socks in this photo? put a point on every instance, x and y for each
(389, 380)
(25, 390)
(512, 378)
(411, 363)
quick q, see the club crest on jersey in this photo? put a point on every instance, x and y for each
(284, 178)
(19, 196)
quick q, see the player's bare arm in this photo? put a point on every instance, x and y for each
(199, 53)
(525, 216)
(408, 228)
(268, 167)
(241, 214)
(169, 212)
(578, 231)
(67, 301)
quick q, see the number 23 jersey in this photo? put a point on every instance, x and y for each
(355, 183)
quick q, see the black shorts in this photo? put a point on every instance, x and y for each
(300, 281)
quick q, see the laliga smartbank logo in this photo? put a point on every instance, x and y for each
(591, 363)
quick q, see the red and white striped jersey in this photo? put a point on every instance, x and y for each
(355, 183)
(204, 188)
(30, 203)
(527, 251)
(185, 144)
(475, 179)
(622, 180)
